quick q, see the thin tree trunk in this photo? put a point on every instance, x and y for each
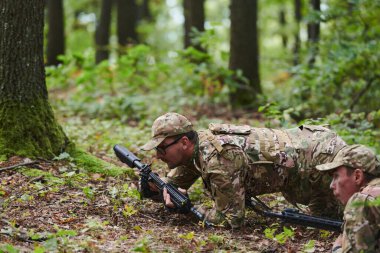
(27, 123)
(282, 20)
(244, 51)
(194, 18)
(56, 33)
(297, 40)
(313, 33)
(144, 12)
(102, 33)
(126, 23)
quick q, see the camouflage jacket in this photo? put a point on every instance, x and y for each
(361, 231)
(236, 162)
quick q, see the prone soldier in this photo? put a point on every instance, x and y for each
(238, 162)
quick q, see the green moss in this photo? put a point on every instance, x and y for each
(95, 165)
(30, 172)
(30, 130)
(3, 157)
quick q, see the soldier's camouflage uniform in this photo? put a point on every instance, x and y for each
(361, 231)
(236, 162)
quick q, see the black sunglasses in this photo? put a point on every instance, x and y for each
(162, 150)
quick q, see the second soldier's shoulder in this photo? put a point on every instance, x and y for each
(372, 188)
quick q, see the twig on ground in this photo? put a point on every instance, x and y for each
(147, 216)
(17, 166)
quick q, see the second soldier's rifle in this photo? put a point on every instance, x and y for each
(181, 201)
(293, 216)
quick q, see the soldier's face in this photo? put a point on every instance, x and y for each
(169, 151)
(343, 184)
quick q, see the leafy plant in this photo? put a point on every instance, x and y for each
(8, 248)
(279, 237)
(189, 236)
(129, 211)
(218, 239)
(309, 246)
(89, 192)
(348, 73)
(142, 246)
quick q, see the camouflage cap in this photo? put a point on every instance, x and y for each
(354, 156)
(169, 124)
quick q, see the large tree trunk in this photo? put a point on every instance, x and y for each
(244, 51)
(126, 23)
(27, 123)
(102, 33)
(55, 36)
(297, 40)
(194, 18)
(313, 32)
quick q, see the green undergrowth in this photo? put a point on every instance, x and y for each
(100, 135)
(354, 128)
(81, 162)
(138, 85)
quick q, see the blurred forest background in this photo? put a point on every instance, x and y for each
(293, 61)
(110, 67)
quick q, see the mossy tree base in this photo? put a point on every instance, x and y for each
(30, 130)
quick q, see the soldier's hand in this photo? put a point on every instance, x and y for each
(167, 200)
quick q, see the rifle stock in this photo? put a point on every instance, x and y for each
(181, 201)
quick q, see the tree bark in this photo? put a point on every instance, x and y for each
(282, 20)
(194, 18)
(127, 11)
(244, 51)
(102, 33)
(144, 11)
(313, 33)
(297, 40)
(56, 33)
(27, 123)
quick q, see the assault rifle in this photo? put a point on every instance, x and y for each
(293, 216)
(181, 202)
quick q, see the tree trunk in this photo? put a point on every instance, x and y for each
(102, 33)
(27, 123)
(282, 20)
(313, 31)
(194, 18)
(297, 40)
(244, 51)
(144, 11)
(126, 23)
(55, 36)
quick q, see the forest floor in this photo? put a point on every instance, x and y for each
(57, 206)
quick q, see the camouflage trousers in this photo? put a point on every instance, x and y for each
(310, 188)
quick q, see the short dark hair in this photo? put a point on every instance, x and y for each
(192, 136)
(367, 177)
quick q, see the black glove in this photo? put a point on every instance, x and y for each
(144, 189)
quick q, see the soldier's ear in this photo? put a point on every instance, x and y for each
(185, 142)
(359, 177)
